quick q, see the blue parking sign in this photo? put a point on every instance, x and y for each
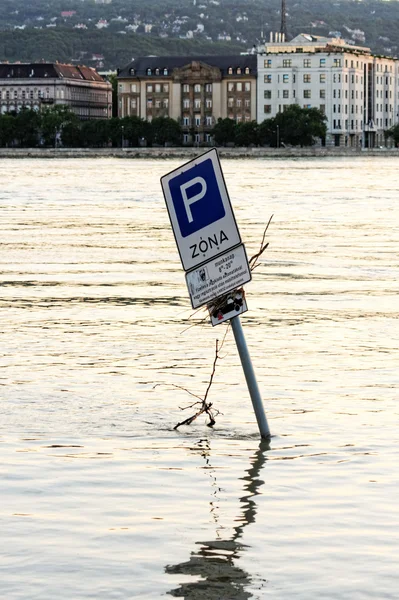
(200, 210)
(196, 198)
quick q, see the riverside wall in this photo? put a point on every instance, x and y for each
(188, 153)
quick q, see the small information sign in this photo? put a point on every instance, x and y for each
(218, 276)
(227, 307)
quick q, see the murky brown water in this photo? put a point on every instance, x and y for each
(100, 497)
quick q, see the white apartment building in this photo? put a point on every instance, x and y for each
(358, 92)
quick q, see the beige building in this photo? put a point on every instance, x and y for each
(35, 85)
(358, 92)
(195, 91)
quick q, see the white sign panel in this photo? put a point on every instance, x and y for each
(234, 304)
(200, 210)
(218, 276)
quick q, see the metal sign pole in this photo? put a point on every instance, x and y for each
(250, 377)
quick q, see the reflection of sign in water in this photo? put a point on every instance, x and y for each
(214, 562)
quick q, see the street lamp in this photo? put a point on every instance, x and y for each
(278, 136)
(123, 139)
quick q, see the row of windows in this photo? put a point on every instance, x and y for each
(307, 63)
(337, 62)
(22, 94)
(197, 88)
(157, 103)
(239, 86)
(197, 103)
(238, 102)
(307, 78)
(238, 71)
(267, 94)
(197, 120)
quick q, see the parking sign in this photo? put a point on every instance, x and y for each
(200, 210)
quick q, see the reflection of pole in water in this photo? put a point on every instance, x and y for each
(214, 562)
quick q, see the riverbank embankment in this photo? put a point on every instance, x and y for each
(187, 153)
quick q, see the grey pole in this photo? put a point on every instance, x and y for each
(250, 377)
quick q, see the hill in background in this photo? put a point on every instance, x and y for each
(108, 33)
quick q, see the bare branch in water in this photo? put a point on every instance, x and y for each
(254, 259)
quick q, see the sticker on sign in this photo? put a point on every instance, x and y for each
(218, 276)
(229, 306)
(200, 210)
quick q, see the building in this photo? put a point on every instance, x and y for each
(358, 92)
(35, 85)
(195, 91)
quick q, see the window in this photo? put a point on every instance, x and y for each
(186, 121)
(133, 88)
(208, 87)
(197, 120)
(337, 62)
(208, 121)
(247, 70)
(165, 71)
(156, 71)
(149, 88)
(286, 78)
(238, 102)
(247, 103)
(268, 64)
(149, 102)
(165, 102)
(267, 108)
(287, 62)
(149, 72)
(166, 88)
(238, 70)
(267, 94)
(306, 78)
(186, 88)
(197, 103)
(157, 103)
(268, 78)
(239, 86)
(286, 94)
(247, 86)
(133, 103)
(322, 77)
(323, 108)
(230, 71)
(230, 102)
(307, 63)
(209, 103)
(322, 93)
(186, 103)
(322, 62)
(197, 88)
(158, 87)
(306, 93)
(230, 87)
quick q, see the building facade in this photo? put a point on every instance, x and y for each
(358, 92)
(36, 85)
(195, 91)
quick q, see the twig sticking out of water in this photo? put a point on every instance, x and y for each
(203, 405)
(253, 261)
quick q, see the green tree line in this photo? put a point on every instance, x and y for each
(59, 126)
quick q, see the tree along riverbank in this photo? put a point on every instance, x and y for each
(188, 153)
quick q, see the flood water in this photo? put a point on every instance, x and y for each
(99, 496)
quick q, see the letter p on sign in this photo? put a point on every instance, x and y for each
(189, 201)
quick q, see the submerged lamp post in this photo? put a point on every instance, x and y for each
(211, 252)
